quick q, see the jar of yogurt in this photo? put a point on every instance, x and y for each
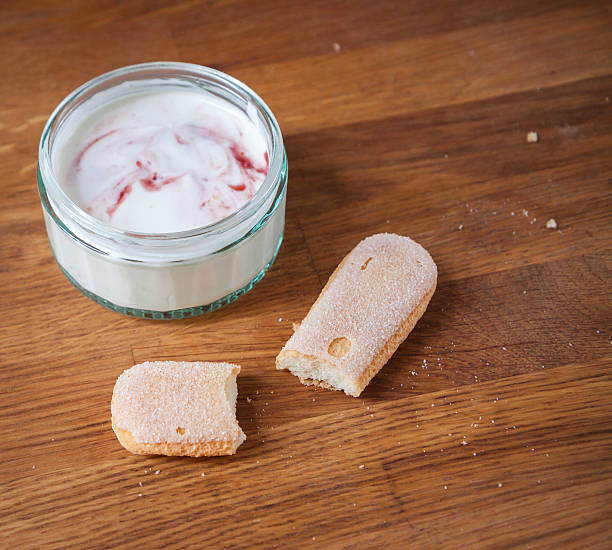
(163, 189)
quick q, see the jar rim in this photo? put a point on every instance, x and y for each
(49, 187)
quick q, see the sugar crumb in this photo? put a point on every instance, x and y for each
(157, 472)
(336, 47)
(532, 137)
(460, 227)
(552, 224)
(361, 466)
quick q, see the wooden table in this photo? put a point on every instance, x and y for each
(491, 425)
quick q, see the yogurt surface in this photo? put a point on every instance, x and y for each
(163, 161)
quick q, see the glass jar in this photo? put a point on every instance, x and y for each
(171, 275)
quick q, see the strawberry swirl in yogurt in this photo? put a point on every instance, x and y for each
(164, 161)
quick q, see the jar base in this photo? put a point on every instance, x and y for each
(184, 313)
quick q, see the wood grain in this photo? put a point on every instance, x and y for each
(489, 427)
(419, 483)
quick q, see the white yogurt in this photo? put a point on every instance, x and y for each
(163, 161)
(163, 189)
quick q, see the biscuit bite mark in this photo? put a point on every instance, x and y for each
(367, 308)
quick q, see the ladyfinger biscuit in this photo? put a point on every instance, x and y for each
(177, 408)
(365, 311)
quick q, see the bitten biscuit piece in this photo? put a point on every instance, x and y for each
(367, 308)
(177, 408)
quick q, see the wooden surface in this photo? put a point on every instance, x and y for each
(491, 425)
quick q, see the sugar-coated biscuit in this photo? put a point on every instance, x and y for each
(177, 408)
(367, 308)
